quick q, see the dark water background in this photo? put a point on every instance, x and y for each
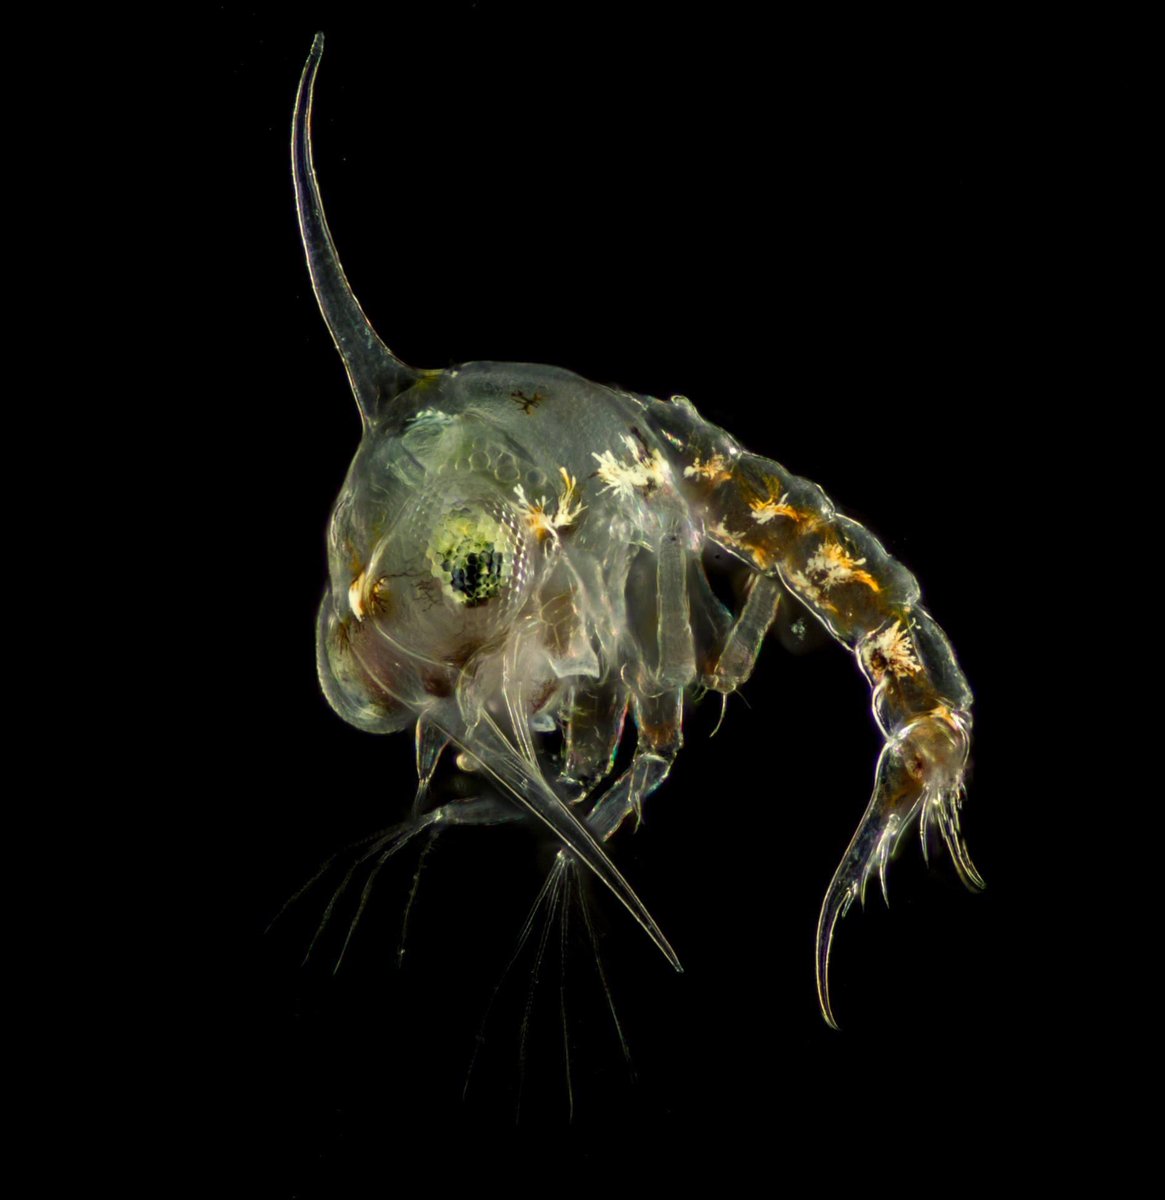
(840, 241)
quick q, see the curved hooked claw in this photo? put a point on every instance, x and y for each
(919, 774)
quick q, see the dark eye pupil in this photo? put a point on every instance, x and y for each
(476, 575)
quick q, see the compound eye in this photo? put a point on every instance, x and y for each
(477, 555)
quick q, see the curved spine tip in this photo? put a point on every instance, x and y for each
(377, 376)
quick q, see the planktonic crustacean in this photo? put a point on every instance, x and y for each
(517, 561)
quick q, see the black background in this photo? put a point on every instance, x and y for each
(847, 244)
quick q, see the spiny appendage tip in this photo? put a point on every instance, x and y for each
(841, 894)
(872, 849)
(942, 807)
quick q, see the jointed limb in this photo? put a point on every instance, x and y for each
(659, 721)
(593, 732)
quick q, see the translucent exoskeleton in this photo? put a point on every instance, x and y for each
(517, 563)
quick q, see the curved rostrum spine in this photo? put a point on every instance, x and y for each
(377, 376)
